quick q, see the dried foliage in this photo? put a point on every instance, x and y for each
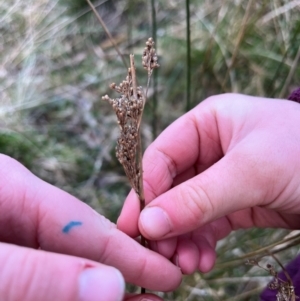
(285, 288)
(149, 58)
(129, 112)
(129, 109)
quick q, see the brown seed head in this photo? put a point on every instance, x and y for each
(149, 57)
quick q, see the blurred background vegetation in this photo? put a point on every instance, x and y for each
(56, 62)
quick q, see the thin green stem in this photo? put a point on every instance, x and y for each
(290, 75)
(188, 56)
(279, 69)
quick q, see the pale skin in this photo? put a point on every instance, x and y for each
(232, 162)
(55, 247)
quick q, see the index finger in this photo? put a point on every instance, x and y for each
(38, 215)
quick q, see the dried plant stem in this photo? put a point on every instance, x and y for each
(289, 280)
(140, 163)
(275, 248)
(107, 31)
(239, 40)
(140, 192)
(285, 290)
(133, 74)
(155, 74)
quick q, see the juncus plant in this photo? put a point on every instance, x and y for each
(129, 107)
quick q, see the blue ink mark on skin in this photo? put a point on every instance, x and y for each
(70, 225)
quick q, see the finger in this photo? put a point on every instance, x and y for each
(196, 250)
(186, 256)
(128, 219)
(38, 215)
(165, 247)
(207, 256)
(177, 151)
(220, 190)
(205, 238)
(28, 274)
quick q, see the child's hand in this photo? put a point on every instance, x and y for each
(232, 162)
(39, 223)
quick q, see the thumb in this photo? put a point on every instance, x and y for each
(28, 275)
(227, 186)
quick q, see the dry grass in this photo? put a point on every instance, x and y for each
(56, 62)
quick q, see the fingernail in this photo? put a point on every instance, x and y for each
(101, 284)
(175, 259)
(155, 222)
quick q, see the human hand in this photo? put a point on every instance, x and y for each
(37, 215)
(232, 162)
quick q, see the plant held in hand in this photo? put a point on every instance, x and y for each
(129, 109)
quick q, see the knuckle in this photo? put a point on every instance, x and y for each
(168, 161)
(158, 162)
(197, 202)
(108, 241)
(150, 191)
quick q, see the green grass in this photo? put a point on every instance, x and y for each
(56, 62)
